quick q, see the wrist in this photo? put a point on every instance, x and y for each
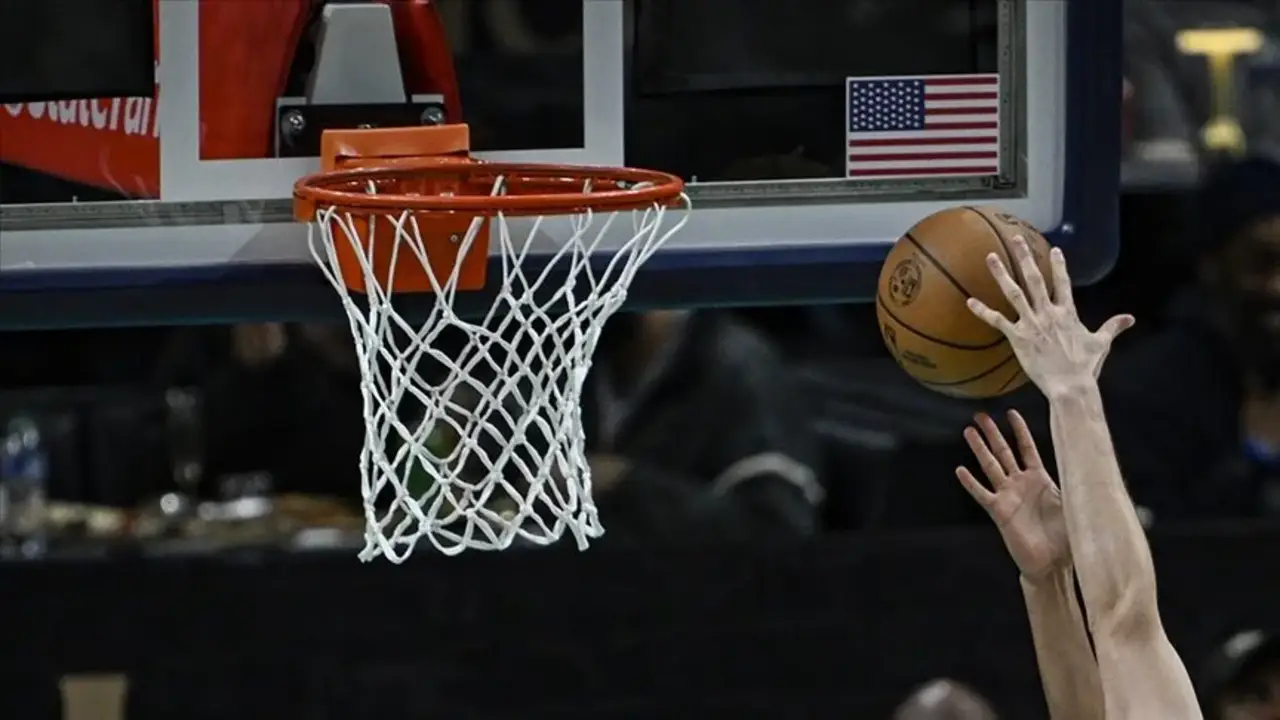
(1058, 579)
(1072, 389)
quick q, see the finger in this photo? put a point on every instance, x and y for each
(983, 496)
(1032, 278)
(1008, 285)
(1026, 442)
(1061, 279)
(1112, 328)
(989, 316)
(986, 460)
(999, 446)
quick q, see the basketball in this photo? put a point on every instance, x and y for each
(920, 300)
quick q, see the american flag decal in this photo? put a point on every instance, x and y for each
(923, 126)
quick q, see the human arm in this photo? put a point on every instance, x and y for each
(1026, 507)
(1141, 674)
(1141, 671)
(1068, 669)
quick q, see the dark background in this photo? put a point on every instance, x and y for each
(844, 628)
(75, 49)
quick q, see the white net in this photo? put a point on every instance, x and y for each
(474, 436)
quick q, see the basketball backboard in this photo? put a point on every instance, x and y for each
(175, 208)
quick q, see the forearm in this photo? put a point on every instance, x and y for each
(1112, 558)
(1068, 669)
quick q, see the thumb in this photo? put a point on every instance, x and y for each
(1112, 328)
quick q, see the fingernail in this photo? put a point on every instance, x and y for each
(1056, 253)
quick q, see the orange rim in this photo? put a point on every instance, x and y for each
(530, 189)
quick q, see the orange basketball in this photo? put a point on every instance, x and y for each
(920, 302)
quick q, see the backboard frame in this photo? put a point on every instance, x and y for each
(756, 275)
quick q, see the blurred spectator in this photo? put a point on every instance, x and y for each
(1196, 408)
(695, 430)
(945, 699)
(1241, 679)
(279, 399)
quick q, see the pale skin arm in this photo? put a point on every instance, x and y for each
(1068, 669)
(1027, 508)
(1141, 673)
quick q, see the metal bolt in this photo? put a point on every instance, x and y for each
(433, 115)
(293, 123)
(455, 238)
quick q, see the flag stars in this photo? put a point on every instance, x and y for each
(879, 105)
(893, 133)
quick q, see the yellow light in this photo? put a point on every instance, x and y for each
(1221, 47)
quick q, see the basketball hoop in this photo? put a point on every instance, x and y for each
(474, 436)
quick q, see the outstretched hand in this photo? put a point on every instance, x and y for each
(1054, 348)
(1023, 500)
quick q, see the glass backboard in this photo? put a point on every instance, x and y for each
(174, 207)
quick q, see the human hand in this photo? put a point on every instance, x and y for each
(1054, 348)
(1023, 501)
